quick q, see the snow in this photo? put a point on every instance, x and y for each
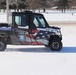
(23, 63)
(60, 17)
(3, 18)
(38, 60)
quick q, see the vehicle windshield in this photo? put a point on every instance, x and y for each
(39, 21)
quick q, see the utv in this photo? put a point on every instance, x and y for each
(28, 28)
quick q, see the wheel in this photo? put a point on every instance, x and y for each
(2, 45)
(56, 45)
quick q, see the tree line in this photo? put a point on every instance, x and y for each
(39, 4)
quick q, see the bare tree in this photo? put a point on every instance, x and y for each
(63, 5)
(50, 3)
(3, 3)
(17, 4)
(72, 4)
(36, 4)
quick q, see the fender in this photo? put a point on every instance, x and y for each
(54, 37)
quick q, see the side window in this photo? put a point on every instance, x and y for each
(39, 21)
(20, 20)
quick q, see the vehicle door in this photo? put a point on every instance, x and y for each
(39, 32)
(21, 30)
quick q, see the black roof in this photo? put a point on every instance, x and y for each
(28, 11)
(25, 12)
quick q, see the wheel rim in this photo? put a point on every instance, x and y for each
(1, 45)
(55, 45)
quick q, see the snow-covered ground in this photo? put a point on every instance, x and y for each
(38, 60)
(35, 63)
(60, 17)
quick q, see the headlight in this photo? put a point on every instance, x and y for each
(58, 32)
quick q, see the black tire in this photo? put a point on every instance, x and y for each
(2, 45)
(56, 45)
